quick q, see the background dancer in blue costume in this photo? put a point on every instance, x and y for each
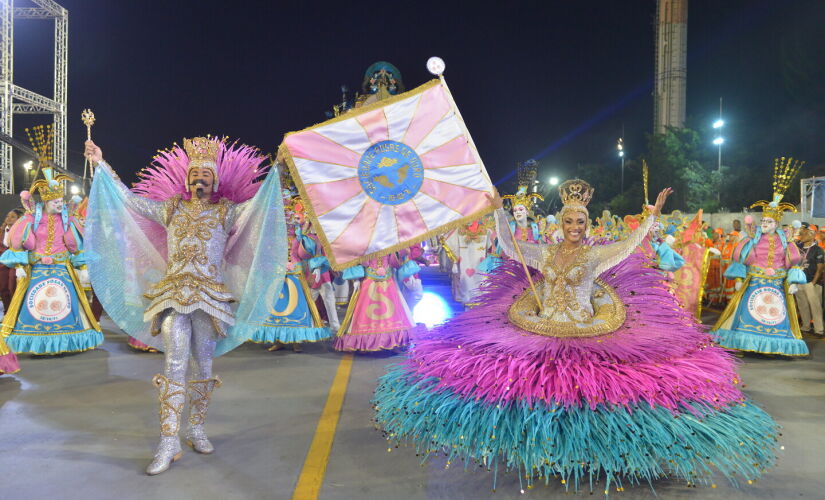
(293, 317)
(49, 313)
(761, 316)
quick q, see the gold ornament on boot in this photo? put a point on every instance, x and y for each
(169, 411)
(172, 397)
(200, 394)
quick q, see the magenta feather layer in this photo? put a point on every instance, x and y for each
(659, 356)
(239, 170)
(238, 167)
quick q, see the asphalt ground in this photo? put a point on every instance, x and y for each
(84, 426)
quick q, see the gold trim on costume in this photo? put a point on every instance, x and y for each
(702, 280)
(791, 307)
(725, 320)
(50, 230)
(10, 319)
(81, 297)
(342, 330)
(447, 250)
(167, 389)
(316, 316)
(524, 315)
(200, 393)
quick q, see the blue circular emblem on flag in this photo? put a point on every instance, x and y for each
(390, 172)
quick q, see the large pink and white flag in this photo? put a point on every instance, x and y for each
(380, 178)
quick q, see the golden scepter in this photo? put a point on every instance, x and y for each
(644, 180)
(88, 119)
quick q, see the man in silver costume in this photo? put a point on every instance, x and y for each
(190, 305)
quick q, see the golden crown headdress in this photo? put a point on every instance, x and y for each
(50, 187)
(784, 172)
(202, 151)
(575, 193)
(522, 197)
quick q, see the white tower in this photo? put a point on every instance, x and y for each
(670, 80)
(17, 100)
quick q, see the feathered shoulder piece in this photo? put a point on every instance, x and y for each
(239, 166)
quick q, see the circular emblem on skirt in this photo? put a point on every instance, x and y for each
(767, 306)
(49, 301)
(390, 172)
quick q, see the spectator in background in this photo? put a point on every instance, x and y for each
(8, 279)
(809, 298)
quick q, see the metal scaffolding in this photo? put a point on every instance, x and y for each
(812, 193)
(17, 100)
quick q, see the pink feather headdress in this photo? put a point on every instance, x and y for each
(239, 167)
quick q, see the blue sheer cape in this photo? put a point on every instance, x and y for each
(126, 254)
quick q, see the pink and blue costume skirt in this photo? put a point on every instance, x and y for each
(761, 317)
(653, 399)
(293, 316)
(49, 313)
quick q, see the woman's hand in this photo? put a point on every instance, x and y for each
(660, 201)
(495, 199)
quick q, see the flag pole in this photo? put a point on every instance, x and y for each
(436, 66)
(524, 265)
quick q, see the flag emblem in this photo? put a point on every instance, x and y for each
(390, 172)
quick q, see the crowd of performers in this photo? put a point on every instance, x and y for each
(519, 379)
(579, 356)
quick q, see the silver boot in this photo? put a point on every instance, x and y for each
(200, 393)
(172, 397)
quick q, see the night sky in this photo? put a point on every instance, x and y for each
(555, 80)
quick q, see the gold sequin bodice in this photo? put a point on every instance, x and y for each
(196, 239)
(567, 290)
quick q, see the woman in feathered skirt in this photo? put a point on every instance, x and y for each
(606, 379)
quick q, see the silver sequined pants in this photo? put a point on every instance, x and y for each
(186, 335)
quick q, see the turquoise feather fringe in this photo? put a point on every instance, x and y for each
(743, 341)
(54, 344)
(575, 444)
(286, 335)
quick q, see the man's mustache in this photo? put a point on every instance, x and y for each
(199, 181)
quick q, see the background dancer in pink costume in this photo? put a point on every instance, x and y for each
(378, 317)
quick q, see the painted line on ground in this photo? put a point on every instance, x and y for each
(315, 465)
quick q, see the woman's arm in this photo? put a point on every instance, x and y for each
(610, 255)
